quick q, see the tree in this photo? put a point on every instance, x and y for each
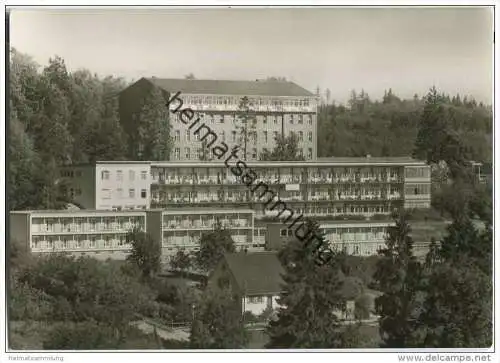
(81, 336)
(218, 323)
(399, 279)
(463, 239)
(246, 123)
(213, 246)
(181, 261)
(189, 76)
(86, 289)
(311, 294)
(286, 149)
(458, 307)
(146, 252)
(153, 138)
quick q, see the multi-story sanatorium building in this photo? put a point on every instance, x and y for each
(183, 199)
(102, 233)
(280, 108)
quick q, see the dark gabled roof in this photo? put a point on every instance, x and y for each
(256, 273)
(223, 87)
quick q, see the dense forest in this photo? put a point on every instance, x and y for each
(57, 116)
(390, 127)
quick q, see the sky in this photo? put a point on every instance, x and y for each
(406, 49)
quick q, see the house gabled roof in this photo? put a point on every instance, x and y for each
(224, 87)
(256, 273)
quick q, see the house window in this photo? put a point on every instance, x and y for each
(188, 153)
(310, 121)
(131, 175)
(310, 136)
(119, 193)
(119, 175)
(301, 136)
(255, 299)
(265, 136)
(309, 153)
(144, 175)
(177, 153)
(106, 194)
(188, 135)
(301, 120)
(143, 193)
(254, 153)
(234, 136)
(291, 119)
(275, 135)
(283, 233)
(131, 193)
(105, 175)
(177, 136)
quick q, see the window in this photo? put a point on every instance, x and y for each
(119, 175)
(264, 121)
(310, 121)
(131, 193)
(143, 193)
(234, 136)
(254, 153)
(283, 233)
(119, 193)
(275, 135)
(199, 151)
(188, 135)
(301, 136)
(255, 299)
(131, 175)
(291, 119)
(221, 119)
(106, 193)
(105, 175)
(188, 153)
(265, 136)
(177, 136)
(223, 136)
(301, 120)
(310, 136)
(177, 153)
(144, 175)
(275, 120)
(309, 153)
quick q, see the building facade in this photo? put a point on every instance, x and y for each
(97, 233)
(327, 188)
(102, 233)
(181, 229)
(277, 108)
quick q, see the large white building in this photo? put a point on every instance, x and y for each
(102, 233)
(279, 107)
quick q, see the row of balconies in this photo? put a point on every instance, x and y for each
(235, 108)
(195, 240)
(193, 179)
(173, 224)
(71, 244)
(85, 228)
(256, 199)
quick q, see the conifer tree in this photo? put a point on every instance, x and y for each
(311, 295)
(399, 278)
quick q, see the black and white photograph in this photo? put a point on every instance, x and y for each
(251, 179)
